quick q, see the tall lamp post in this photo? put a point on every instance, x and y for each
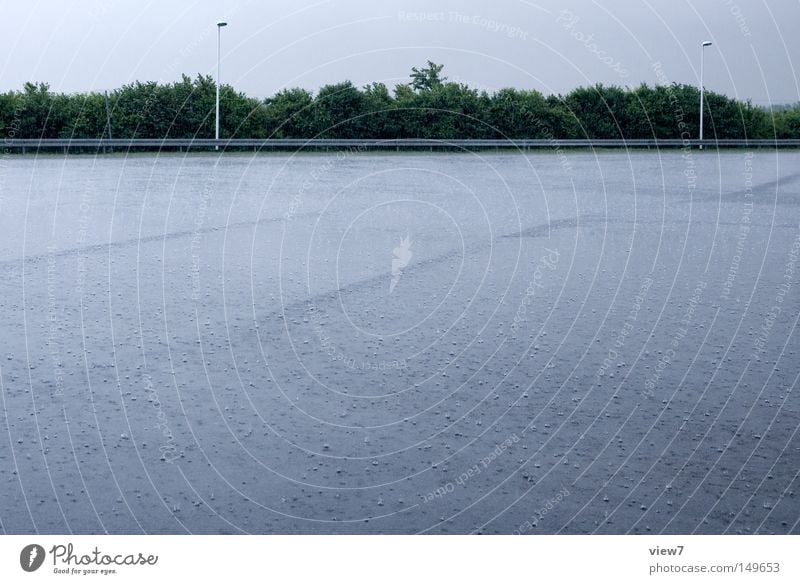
(220, 24)
(702, 53)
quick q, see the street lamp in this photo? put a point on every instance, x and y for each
(702, 52)
(220, 24)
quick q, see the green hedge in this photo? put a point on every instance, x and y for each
(428, 107)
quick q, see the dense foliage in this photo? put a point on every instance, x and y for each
(427, 107)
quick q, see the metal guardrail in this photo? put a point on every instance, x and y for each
(66, 145)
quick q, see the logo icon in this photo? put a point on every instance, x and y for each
(402, 257)
(31, 557)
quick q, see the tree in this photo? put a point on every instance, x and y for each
(381, 121)
(786, 124)
(338, 111)
(526, 114)
(427, 77)
(427, 107)
(35, 118)
(191, 105)
(288, 114)
(84, 116)
(599, 109)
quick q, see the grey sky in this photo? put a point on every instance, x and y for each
(96, 44)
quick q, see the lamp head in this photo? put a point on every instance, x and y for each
(706, 43)
(222, 23)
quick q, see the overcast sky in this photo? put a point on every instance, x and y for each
(549, 45)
